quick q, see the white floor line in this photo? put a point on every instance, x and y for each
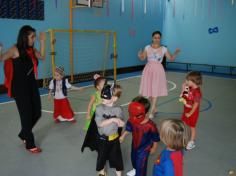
(91, 85)
(125, 104)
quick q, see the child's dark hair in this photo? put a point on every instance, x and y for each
(144, 101)
(98, 80)
(156, 32)
(195, 76)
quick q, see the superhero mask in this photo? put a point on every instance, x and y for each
(136, 112)
(106, 92)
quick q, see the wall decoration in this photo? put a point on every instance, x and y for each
(97, 3)
(174, 8)
(1, 48)
(203, 9)
(164, 10)
(132, 10)
(84, 3)
(160, 5)
(220, 7)
(122, 6)
(195, 7)
(108, 8)
(209, 8)
(22, 9)
(144, 6)
(213, 30)
(132, 32)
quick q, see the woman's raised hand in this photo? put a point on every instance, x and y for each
(141, 53)
(42, 36)
(177, 51)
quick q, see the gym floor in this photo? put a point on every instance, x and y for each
(214, 154)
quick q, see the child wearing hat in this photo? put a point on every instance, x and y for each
(58, 87)
(108, 118)
(144, 135)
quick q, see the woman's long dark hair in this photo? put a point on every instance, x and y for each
(156, 32)
(22, 39)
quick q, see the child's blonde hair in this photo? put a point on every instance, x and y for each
(174, 134)
(195, 76)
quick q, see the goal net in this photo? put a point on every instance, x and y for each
(82, 53)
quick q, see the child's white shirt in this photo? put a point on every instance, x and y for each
(58, 90)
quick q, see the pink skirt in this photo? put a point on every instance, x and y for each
(153, 80)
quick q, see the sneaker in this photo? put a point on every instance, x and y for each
(131, 172)
(151, 116)
(102, 173)
(191, 145)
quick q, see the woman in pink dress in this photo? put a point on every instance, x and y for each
(153, 80)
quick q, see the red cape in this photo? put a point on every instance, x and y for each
(8, 70)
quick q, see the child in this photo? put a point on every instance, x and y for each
(95, 99)
(108, 119)
(59, 86)
(145, 135)
(175, 135)
(191, 109)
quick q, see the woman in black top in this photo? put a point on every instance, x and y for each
(20, 65)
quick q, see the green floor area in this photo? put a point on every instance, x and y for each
(216, 142)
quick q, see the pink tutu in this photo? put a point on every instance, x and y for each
(153, 80)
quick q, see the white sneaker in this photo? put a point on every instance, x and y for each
(151, 116)
(131, 172)
(60, 118)
(191, 145)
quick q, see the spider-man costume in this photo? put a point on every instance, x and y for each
(144, 134)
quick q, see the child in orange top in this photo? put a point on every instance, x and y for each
(192, 106)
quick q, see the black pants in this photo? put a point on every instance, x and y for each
(29, 107)
(109, 150)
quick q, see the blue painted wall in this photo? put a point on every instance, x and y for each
(188, 29)
(54, 18)
(142, 24)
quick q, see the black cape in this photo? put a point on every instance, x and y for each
(91, 137)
